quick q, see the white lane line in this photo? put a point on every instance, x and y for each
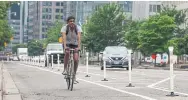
(101, 75)
(167, 90)
(122, 91)
(158, 82)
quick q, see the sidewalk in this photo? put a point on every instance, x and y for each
(10, 91)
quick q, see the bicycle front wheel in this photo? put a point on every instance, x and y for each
(67, 77)
(72, 75)
(68, 82)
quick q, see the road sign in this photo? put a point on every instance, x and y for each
(153, 56)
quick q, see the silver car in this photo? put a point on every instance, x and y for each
(115, 57)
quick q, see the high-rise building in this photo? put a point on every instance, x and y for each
(84, 9)
(42, 15)
(144, 9)
(17, 18)
(14, 22)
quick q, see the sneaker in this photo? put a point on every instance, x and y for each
(64, 72)
(75, 81)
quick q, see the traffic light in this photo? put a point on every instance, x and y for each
(5, 44)
(61, 39)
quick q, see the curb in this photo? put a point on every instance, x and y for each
(1, 81)
(10, 91)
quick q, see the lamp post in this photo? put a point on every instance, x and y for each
(171, 71)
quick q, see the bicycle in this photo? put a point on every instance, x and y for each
(70, 76)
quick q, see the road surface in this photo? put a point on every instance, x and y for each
(45, 83)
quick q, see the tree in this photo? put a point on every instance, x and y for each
(5, 33)
(5, 30)
(35, 47)
(14, 48)
(104, 28)
(54, 32)
(155, 33)
(131, 35)
(179, 32)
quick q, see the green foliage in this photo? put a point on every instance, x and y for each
(54, 33)
(155, 32)
(5, 33)
(35, 48)
(158, 32)
(104, 28)
(131, 35)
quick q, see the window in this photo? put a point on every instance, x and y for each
(49, 17)
(43, 10)
(62, 4)
(46, 9)
(44, 3)
(127, 6)
(43, 16)
(57, 10)
(61, 10)
(43, 23)
(154, 8)
(57, 3)
(158, 8)
(49, 3)
(150, 8)
(50, 10)
(57, 16)
(44, 36)
(43, 29)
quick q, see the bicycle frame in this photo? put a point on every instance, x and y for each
(70, 71)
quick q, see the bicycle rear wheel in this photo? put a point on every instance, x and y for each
(72, 75)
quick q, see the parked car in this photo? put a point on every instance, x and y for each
(116, 57)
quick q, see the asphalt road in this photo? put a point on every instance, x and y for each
(41, 83)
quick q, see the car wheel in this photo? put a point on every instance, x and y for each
(102, 68)
(128, 68)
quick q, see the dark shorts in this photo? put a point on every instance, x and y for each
(72, 46)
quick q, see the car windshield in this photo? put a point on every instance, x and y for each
(116, 50)
(55, 47)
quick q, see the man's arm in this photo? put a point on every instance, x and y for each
(63, 33)
(79, 36)
(79, 40)
(64, 39)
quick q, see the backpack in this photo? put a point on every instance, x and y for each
(67, 30)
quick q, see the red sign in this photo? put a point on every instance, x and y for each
(153, 56)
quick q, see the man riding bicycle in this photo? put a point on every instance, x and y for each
(71, 40)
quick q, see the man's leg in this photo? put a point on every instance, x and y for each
(66, 59)
(76, 63)
(76, 60)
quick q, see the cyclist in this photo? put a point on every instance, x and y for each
(71, 39)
